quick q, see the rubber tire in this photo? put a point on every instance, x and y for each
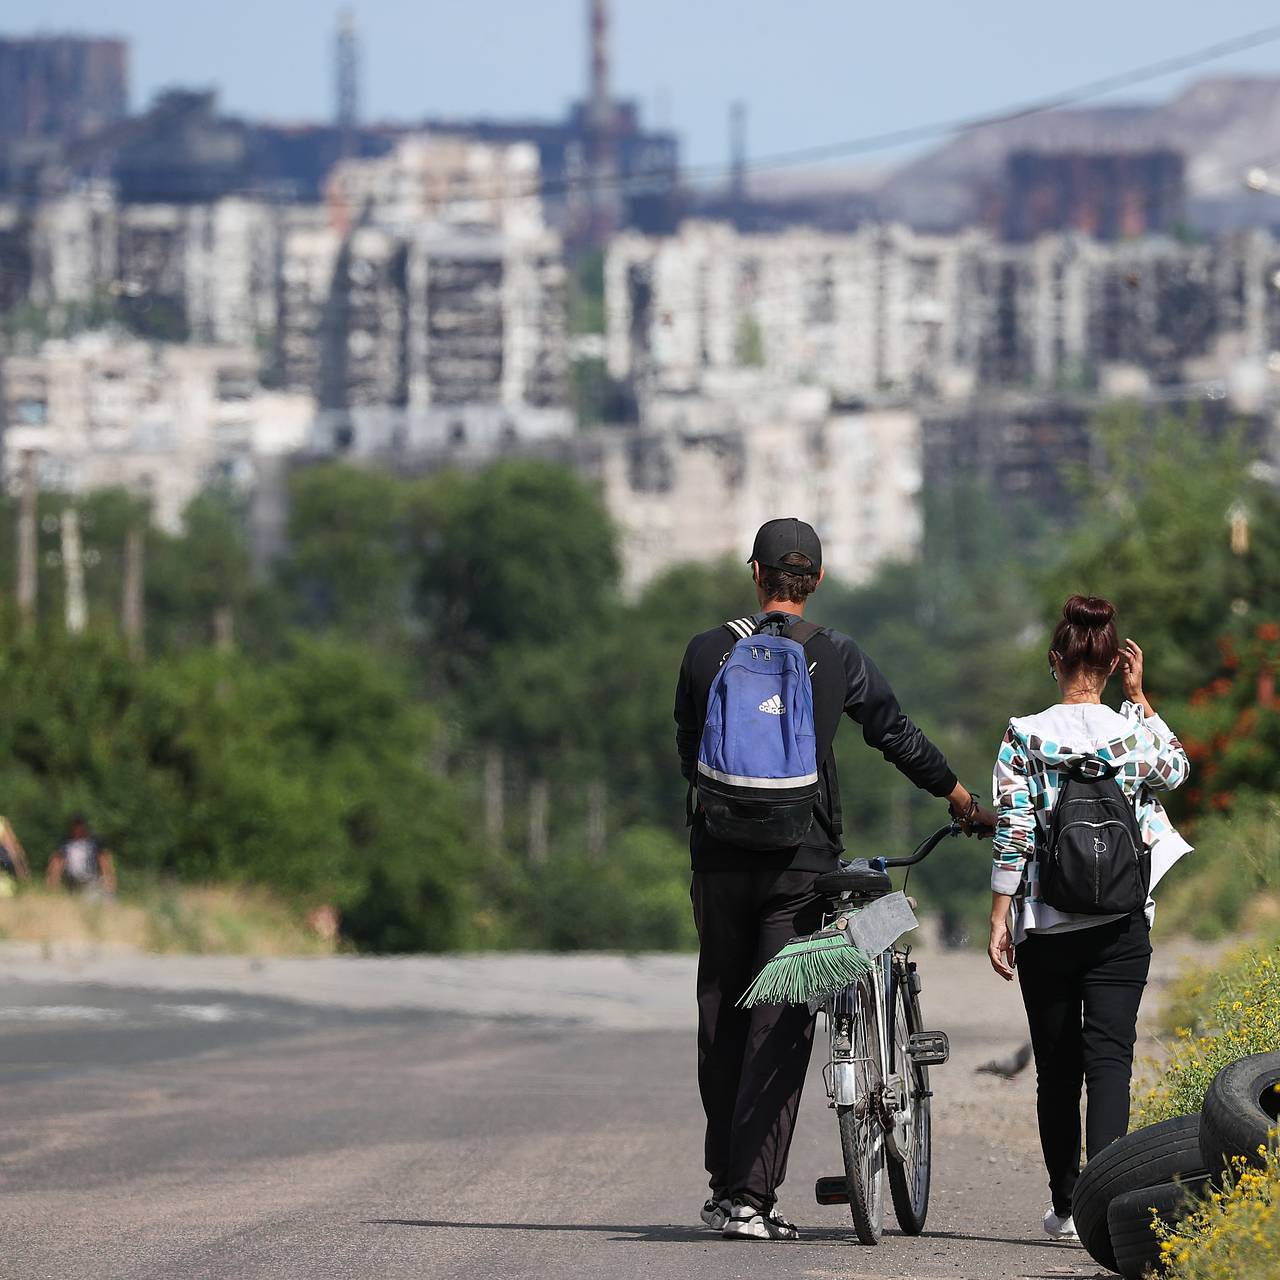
(911, 1203)
(1136, 1246)
(1233, 1120)
(1145, 1158)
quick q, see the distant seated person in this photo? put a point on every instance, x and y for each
(13, 859)
(82, 864)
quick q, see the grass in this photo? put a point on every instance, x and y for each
(1236, 1232)
(1231, 884)
(1215, 1022)
(201, 920)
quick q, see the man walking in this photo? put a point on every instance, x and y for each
(82, 863)
(747, 902)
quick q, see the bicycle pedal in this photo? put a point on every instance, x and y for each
(831, 1191)
(929, 1048)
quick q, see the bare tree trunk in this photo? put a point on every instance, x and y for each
(224, 628)
(495, 818)
(597, 801)
(131, 616)
(73, 569)
(539, 803)
(27, 578)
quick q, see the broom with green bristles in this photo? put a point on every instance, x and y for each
(815, 965)
(808, 967)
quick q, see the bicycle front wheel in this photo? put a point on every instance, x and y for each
(909, 1177)
(861, 1130)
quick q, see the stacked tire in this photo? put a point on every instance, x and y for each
(1167, 1167)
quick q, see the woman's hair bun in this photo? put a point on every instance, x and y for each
(1091, 613)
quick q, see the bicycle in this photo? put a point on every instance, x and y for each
(877, 1082)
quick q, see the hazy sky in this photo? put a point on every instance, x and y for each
(811, 71)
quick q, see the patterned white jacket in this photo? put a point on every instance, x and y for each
(1028, 774)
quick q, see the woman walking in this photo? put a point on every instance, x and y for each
(1082, 972)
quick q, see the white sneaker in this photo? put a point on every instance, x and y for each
(746, 1222)
(1057, 1228)
(715, 1213)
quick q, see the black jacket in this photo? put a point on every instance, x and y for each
(845, 682)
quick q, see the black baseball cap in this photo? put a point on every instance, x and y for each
(778, 538)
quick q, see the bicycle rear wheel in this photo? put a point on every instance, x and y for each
(861, 1131)
(909, 1177)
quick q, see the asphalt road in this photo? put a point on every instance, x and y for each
(164, 1130)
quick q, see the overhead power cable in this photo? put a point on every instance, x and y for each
(940, 128)
(1056, 102)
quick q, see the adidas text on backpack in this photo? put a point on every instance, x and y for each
(1094, 861)
(757, 763)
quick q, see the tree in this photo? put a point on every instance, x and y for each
(1155, 538)
(349, 565)
(516, 553)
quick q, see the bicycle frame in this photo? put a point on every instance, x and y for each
(840, 1076)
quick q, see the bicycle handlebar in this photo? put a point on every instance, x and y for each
(930, 843)
(926, 846)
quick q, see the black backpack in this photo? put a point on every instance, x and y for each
(1094, 861)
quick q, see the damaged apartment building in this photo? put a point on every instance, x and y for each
(160, 419)
(705, 468)
(173, 272)
(839, 364)
(421, 304)
(884, 312)
(426, 308)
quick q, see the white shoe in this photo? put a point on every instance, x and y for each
(715, 1213)
(1057, 1228)
(746, 1222)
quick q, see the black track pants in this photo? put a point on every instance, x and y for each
(1082, 990)
(751, 1062)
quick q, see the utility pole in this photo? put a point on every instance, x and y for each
(73, 568)
(539, 803)
(494, 796)
(597, 799)
(27, 577)
(224, 628)
(131, 614)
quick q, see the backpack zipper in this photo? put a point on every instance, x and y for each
(1097, 858)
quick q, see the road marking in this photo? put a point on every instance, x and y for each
(58, 1013)
(206, 1012)
(93, 1013)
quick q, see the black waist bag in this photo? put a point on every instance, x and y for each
(1094, 861)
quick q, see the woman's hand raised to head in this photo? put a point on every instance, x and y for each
(1131, 666)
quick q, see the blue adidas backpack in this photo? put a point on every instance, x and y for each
(757, 763)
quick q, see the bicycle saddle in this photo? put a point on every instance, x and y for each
(858, 877)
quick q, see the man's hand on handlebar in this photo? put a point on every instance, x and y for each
(975, 819)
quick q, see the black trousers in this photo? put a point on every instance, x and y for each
(751, 1062)
(1082, 991)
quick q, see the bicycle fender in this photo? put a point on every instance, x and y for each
(844, 1083)
(881, 923)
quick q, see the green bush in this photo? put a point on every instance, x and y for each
(1235, 1014)
(1232, 880)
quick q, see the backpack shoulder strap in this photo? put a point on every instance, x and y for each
(741, 628)
(782, 624)
(802, 632)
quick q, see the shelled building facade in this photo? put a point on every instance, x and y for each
(160, 419)
(885, 312)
